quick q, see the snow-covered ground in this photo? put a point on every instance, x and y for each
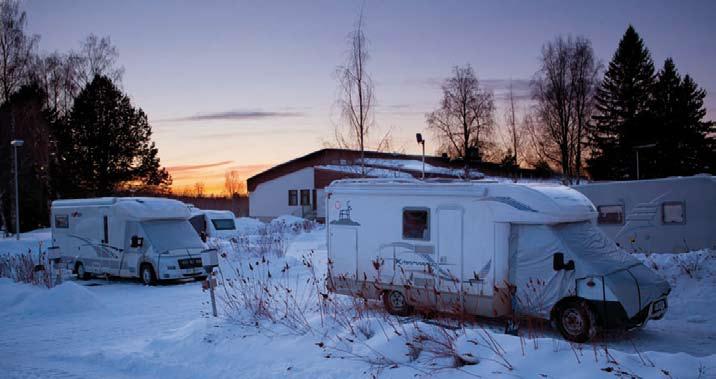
(120, 328)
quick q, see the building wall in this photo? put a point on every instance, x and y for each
(270, 198)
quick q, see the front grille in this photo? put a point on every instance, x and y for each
(189, 263)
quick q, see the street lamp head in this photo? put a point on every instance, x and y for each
(17, 142)
(419, 137)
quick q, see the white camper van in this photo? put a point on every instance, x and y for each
(669, 215)
(215, 224)
(486, 248)
(148, 238)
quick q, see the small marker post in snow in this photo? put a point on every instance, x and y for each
(210, 259)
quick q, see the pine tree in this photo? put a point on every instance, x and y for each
(105, 144)
(684, 146)
(622, 120)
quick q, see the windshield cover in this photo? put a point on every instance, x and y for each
(593, 247)
(168, 235)
(223, 224)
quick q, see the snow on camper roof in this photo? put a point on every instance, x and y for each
(537, 198)
(135, 208)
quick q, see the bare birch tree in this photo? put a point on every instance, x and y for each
(563, 89)
(355, 94)
(233, 184)
(16, 48)
(465, 118)
(513, 126)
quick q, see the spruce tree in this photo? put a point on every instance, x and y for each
(622, 120)
(684, 146)
(105, 144)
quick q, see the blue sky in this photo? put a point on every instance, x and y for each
(259, 75)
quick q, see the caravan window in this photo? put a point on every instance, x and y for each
(62, 221)
(223, 224)
(672, 213)
(610, 214)
(416, 224)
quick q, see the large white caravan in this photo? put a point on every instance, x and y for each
(657, 215)
(486, 248)
(149, 238)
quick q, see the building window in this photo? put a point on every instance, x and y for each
(305, 197)
(610, 214)
(416, 224)
(62, 221)
(672, 213)
(292, 197)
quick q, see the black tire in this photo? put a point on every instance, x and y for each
(147, 275)
(396, 304)
(575, 321)
(81, 273)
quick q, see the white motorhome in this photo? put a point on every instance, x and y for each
(211, 223)
(148, 238)
(488, 249)
(670, 215)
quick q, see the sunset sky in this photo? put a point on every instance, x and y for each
(247, 85)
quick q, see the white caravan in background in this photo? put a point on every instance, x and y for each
(211, 223)
(670, 215)
(148, 238)
(488, 249)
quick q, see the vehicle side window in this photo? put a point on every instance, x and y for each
(292, 197)
(62, 221)
(673, 212)
(416, 224)
(305, 197)
(610, 214)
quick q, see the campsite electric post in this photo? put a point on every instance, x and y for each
(421, 141)
(637, 148)
(210, 259)
(16, 143)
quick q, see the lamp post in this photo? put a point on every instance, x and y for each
(16, 143)
(419, 138)
(637, 148)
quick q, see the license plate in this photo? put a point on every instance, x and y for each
(659, 306)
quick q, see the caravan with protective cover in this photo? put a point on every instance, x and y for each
(149, 238)
(486, 248)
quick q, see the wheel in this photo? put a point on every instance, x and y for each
(395, 303)
(576, 321)
(81, 273)
(147, 275)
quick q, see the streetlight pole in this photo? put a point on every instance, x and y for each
(636, 149)
(419, 138)
(16, 143)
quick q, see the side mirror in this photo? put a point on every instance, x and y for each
(137, 242)
(558, 263)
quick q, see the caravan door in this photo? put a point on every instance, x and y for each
(449, 265)
(131, 256)
(344, 249)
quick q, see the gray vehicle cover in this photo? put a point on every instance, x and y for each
(539, 287)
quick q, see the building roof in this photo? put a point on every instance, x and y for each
(345, 161)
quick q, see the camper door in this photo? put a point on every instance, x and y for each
(132, 255)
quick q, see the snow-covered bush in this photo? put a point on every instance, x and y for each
(23, 268)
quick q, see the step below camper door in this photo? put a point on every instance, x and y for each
(344, 247)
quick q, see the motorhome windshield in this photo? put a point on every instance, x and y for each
(593, 247)
(223, 224)
(168, 235)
